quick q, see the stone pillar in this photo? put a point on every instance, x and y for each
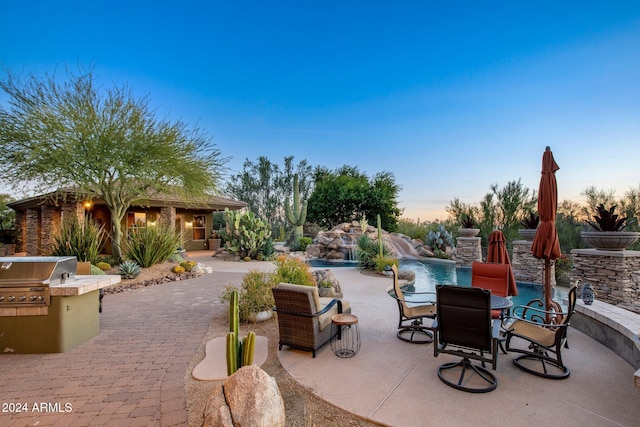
(32, 238)
(468, 250)
(615, 275)
(73, 208)
(49, 225)
(528, 268)
(167, 217)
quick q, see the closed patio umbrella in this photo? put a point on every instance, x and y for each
(498, 253)
(546, 244)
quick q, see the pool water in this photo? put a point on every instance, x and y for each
(430, 274)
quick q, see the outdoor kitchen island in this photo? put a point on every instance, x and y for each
(45, 307)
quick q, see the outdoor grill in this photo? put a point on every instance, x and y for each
(26, 281)
(45, 307)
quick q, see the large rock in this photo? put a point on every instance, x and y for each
(250, 397)
(328, 285)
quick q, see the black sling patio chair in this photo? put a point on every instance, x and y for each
(464, 328)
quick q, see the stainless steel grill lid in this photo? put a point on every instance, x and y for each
(47, 271)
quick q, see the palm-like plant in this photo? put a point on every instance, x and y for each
(607, 219)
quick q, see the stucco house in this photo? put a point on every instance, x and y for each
(37, 218)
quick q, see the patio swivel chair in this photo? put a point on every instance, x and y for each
(493, 277)
(304, 319)
(545, 332)
(413, 307)
(464, 328)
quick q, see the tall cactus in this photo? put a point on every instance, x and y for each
(298, 215)
(380, 242)
(239, 354)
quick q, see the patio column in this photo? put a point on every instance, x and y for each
(167, 217)
(32, 235)
(615, 275)
(468, 251)
(49, 224)
(528, 268)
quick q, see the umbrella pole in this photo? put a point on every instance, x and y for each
(547, 287)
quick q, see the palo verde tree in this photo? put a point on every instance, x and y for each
(102, 142)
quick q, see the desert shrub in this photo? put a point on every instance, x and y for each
(292, 270)
(104, 266)
(129, 269)
(382, 262)
(303, 243)
(82, 240)
(254, 294)
(414, 230)
(151, 245)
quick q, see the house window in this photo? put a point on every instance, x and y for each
(136, 219)
(199, 227)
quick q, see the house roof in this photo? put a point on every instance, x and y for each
(207, 202)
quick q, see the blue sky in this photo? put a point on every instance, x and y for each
(451, 98)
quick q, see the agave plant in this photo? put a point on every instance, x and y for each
(468, 222)
(531, 221)
(607, 220)
(129, 269)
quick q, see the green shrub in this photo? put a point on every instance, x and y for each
(303, 243)
(151, 245)
(254, 294)
(292, 270)
(129, 269)
(82, 240)
(244, 234)
(382, 262)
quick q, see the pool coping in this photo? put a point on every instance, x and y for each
(615, 327)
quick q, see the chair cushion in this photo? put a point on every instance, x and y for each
(538, 334)
(325, 319)
(312, 291)
(420, 310)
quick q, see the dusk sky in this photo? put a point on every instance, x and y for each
(451, 97)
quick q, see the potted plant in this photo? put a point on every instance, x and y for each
(468, 227)
(608, 234)
(214, 241)
(530, 224)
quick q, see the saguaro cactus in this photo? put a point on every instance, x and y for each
(239, 354)
(298, 215)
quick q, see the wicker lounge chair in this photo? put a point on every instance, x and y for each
(464, 328)
(304, 319)
(413, 307)
(545, 339)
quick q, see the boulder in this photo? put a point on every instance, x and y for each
(250, 397)
(328, 285)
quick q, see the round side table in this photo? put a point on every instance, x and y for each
(345, 338)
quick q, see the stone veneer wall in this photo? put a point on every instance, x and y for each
(526, 267)
(167, 217)
(615, 275)
(468, 250)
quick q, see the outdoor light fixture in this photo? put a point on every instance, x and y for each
(189, 223)
(88, 205)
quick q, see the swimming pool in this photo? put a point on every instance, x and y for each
(436, 272)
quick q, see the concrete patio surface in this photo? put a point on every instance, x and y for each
(133, 372)
(396, 383)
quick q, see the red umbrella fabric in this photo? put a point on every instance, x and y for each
(498, 253)
(546, 244)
